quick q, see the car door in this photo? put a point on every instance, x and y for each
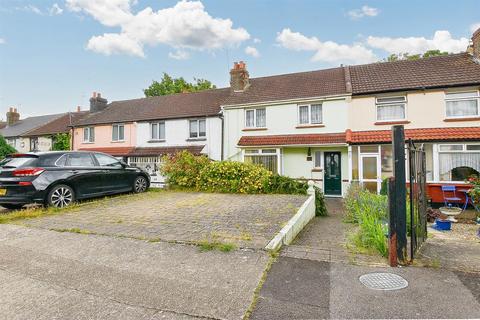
(116, 177)
(85, 176)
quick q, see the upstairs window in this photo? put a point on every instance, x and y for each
(118, 132)
(462, 104)
(197, 128)
(157, 131)
(255, 118)
(310, 114)
(89, 134)
(391, 108)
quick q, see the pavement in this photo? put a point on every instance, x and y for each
(61, 275)
(247, 221)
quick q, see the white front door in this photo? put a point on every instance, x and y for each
(370, 175)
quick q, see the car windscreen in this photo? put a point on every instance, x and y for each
(18, 162)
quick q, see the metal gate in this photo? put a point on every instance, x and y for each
(417, 196)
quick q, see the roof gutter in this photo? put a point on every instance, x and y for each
(277, 102)
(415, 89)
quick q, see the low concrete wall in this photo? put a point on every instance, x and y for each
(294, 225)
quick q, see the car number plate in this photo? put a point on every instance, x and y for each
(3, 192)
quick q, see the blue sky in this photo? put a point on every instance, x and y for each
(54, 54)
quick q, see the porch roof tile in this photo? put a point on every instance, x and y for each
(424, 134)
(292, 139)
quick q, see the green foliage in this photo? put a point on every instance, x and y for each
(233, 177)
(61, 141)
(369, 211)
(474, 191)
(320, 206)
(282, 184)
(408, 56)
(5, 148)
(169, 85)
(216, 245)
(183, 168)
(384, 188)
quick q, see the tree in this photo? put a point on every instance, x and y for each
(5, 148)
(408, 56)
(61, 141)
(169, 85)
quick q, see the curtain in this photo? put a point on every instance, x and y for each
(462, 108)
(269, 162)
(202, 128)
(261, 121)
(303, 114)
(316, 113)
(154, 134)
(161, 134)
(391, 112)
(450, 161)
(193, 129)
(249, 116)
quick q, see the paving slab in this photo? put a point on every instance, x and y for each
(248, 221)
(53, 275)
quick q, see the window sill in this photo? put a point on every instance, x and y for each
(196, 139)
(254, 129)
(306, 126)
(155, 141)
(382, 123)
(317, 170)
(118, 141)
(88, 142)
(461, 119)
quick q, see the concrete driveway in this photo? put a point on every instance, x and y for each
(133, 257)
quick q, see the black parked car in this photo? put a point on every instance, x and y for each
(58, 178)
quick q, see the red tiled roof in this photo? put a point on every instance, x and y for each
(435, 72)
(152, 151)
(58, 125)
(426, 134)
(292, 139)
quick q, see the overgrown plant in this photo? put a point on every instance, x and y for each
(183, 168)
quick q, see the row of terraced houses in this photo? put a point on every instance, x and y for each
(332, 126)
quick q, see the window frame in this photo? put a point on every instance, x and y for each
(404, 102)
(438, 151)
(477, 98)
(158, 123)
(198, 137)
(264, 152)
(118, 125)
(309, 116)
(91, 137)
(255, 118)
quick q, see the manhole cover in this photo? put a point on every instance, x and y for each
(383, 281)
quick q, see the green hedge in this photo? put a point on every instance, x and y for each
(186, 170)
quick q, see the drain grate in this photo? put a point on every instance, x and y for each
(383, 281)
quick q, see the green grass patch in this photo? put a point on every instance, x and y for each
(216, 245)
(72, 230)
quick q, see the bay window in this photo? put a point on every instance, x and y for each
(462, 104)
(391, 108)
(157, 131)
(268, 158)
(197, 128)
(118, 132)
(457, 162)
(255, 118)
(310, 114)
(89, 134)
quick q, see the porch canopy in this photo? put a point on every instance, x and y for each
(292, 139)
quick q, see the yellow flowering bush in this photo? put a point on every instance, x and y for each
(182, 168)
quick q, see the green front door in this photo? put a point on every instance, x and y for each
(333, 174)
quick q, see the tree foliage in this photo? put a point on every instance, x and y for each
(5, 148)
(61, 141)
(408, 56)
(169, 85)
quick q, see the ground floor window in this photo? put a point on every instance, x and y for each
(457, 162)
(267, 158)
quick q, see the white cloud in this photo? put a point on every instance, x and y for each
(364, 11)
(2, 41)
(327, 51)
(185, 26)
(251, 51)
(256, 40)
(179, 55)
(114, 43)
(30, 8)
(55, 10)
(442, 40)
(474, 27)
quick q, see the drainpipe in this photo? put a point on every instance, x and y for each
(223, 133)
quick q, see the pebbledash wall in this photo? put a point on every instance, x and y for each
(282, 119)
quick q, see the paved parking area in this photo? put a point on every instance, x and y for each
(248, 221)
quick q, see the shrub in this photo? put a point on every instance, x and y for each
(183, 168)
(384, 188)
(233, 177)
(320, 207)
(282, 184)
(5, 148)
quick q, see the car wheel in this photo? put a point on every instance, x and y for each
(12, 206)
(61, 196)
(140, 185)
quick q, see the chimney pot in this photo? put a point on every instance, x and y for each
(94, 94)
(475, 47)
(97, 103)
(79, 108)
(12, 116)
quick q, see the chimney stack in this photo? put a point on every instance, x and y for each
(475, 47)
(239, 77)
(97, 103)
(12, 116)
(79, 108)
